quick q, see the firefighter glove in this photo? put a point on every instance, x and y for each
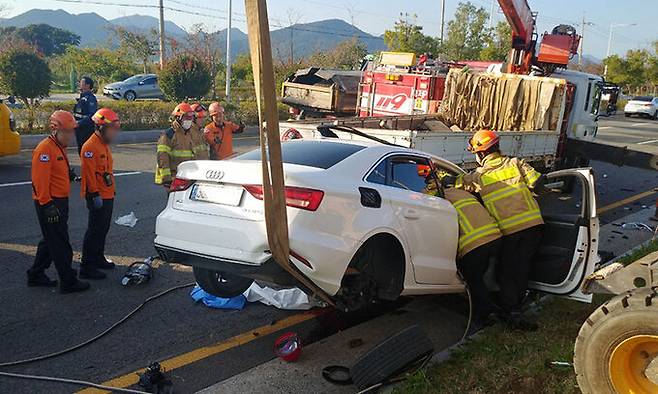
(51, 213)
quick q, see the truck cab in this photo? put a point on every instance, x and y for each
(10, 140)
(585, 102)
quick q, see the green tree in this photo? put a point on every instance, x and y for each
(26, 75)
(47, 39)
(347, 55)
(185, 77)
(138, 45)
(104, 65)
(408, 37)
(498, 43)
(467, 34)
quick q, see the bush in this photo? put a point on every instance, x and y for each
(185, 77)
(137, 115)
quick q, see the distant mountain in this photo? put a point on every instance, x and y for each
(147, 23)
(307, 38)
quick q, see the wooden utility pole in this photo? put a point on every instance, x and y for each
(276, 221)
(162, 35)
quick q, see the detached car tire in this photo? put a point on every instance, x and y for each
(221, 284)
(619, 332)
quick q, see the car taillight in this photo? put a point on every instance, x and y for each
(180, 184)
(296, 197)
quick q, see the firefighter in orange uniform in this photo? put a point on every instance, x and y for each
(219, 133)
(50, 191)
(506, 186)
(98, 190)
(199, 115)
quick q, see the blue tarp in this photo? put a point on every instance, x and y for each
(198, 294)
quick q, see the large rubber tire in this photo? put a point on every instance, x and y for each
(391, 357)
(624, 316)
(221, 284)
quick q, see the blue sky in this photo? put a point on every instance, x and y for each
(374, 16)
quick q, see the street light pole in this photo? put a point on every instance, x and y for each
(443, 18)
(162, 35)
(228, 55)
(607, 53)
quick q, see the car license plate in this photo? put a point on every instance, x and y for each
(217, 194)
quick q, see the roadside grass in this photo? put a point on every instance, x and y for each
(500, 361)
(638, 253)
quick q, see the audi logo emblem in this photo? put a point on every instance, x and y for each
(214, 175)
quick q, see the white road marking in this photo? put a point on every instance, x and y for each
(30, 182)
(647, 142)
(605, 127)
(639, 124)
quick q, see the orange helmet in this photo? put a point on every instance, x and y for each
(482, 141)
(215, 108)
(105, 116)
(199, 110)
(181, 109)
(62, 120)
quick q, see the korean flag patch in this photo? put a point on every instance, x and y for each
(89, 154)
(44, 158)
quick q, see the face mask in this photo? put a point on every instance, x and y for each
(187, 124)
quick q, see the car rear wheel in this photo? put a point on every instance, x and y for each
(655, 115)
(221, 284)
(627, 115)
(130, 96)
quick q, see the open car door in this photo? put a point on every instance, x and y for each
(569, 249)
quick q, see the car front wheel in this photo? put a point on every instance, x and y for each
(221, 284)
(130, 96)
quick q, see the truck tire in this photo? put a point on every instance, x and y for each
(620, 334)
(221, 284)
(391, 357)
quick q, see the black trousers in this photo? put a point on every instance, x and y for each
(82, 134)
(473, 265)
(517, 254)
(98, 224)
(54, 245)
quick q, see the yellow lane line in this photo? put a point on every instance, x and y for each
(188, 358)
(626, 201)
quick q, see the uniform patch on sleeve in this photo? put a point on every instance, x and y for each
(89, 154)
(44, 157)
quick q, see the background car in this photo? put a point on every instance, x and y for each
(361, 226)
(141, 86)
(643, 106)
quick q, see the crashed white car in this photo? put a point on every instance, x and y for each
(360, 227)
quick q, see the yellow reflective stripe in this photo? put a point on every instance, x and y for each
(161, 173)
(520, 219)
(164, 171)
(532, 177)
(464, 223)
(484, 231)
(182, 153)
(464, 202)
(459, 182)
(200, 148)
(163, 148)
(504, 192)
(499, 175)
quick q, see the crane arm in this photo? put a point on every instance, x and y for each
(520, 17)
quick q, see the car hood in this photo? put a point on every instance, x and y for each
(114, 85)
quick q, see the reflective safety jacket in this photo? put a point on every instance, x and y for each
(97, 169)
(505, 184)
(50, 171)
(176, 146)
(476, 226)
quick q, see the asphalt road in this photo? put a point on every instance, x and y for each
(37, 321)
(641, 133)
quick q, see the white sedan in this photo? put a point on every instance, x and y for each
(643, 106)
(360, 227)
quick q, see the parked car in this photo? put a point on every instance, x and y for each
(360, 226)
(140, 86)
(643, 106)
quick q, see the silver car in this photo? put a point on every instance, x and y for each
(141, 86)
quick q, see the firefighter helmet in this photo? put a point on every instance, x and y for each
(62, 120)
(105, 116)
(199, 110)
(482, 141)
(215, 108)
(182, 109)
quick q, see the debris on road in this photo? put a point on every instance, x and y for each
(154, 380)
(129, 220)
(288, 347)
(293, 298)
(138, 272)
